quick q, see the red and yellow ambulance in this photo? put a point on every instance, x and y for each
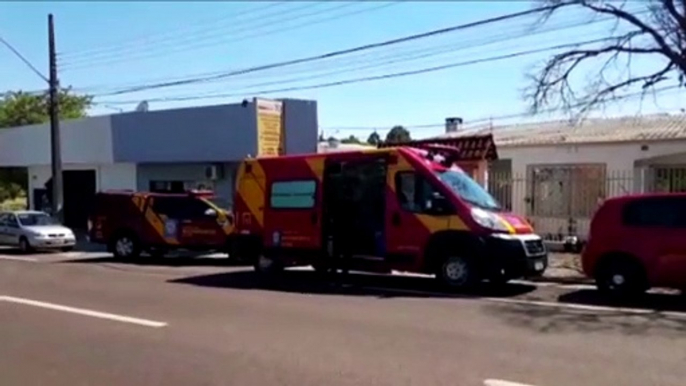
(400, 208)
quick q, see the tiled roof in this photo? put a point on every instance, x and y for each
(469, 148)
(657, 127)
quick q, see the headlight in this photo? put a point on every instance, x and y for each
(35, 234)
(489, 220)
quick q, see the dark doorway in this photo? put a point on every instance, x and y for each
(354, 205)
(79, 193)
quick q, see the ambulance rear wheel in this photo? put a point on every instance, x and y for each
(267, 266)
(457, 272)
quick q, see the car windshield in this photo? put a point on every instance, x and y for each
(468, 189)
(36, 219)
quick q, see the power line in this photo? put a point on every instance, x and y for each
(360, 63)
(504, 36)
(197, 43)
(475, 123)
(381, 77)
(348, 51)
(23, 59)
(207, 24)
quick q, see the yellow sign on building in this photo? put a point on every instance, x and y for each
(270, 135)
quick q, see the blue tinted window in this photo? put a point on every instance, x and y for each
(293, 194)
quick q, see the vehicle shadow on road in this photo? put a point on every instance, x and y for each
(649, 314)
(380, 286)
(185, 260)
(655, 302)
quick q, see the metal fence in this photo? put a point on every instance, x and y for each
(559, 200)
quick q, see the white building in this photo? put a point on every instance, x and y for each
(335, 145)
(554, 171)
(167, 150)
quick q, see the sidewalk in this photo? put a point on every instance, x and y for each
(564, 268)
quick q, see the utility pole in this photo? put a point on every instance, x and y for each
(56, 158)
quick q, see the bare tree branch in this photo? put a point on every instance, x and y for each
(660, 34)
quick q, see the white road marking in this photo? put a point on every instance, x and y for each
(83, 311)
(583, 307)
(498, 382)
(19, 258)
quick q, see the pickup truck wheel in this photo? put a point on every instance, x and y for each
(126, 246)
(457, 272)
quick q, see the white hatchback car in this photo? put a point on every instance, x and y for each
(30, 230)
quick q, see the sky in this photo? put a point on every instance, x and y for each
(106, 46)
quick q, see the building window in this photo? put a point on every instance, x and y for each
(565, 190)
(179, 186)
(293, 194)
(167, 186)
(669, 179)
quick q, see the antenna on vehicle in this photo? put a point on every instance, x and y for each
(143, 106)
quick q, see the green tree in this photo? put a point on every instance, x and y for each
(374, 139)
(398, 134)
(351, 139)
(19, 108)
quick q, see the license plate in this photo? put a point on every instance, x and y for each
(538, 266)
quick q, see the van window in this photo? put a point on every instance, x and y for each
(414, 192)
(293, 194)
(662, 212)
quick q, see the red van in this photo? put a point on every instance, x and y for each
(638, 242)
(400, 208)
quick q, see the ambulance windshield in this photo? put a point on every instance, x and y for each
(468, 189)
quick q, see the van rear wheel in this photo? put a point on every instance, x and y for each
(621, 276)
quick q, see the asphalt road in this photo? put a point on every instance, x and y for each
(76, 320)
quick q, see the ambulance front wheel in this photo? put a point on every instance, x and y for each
(457, 272)
(267, 266)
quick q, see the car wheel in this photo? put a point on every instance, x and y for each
(267, 266)
(457, 273)
(125, 246)
(24, 246)
(621, 276)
